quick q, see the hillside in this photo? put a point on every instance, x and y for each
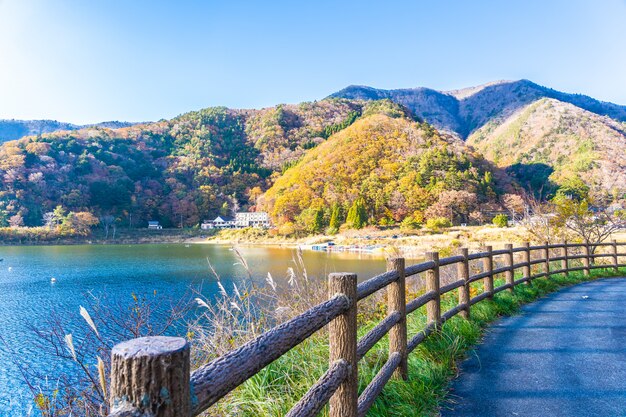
(375, 153)
(551, 143)
(16, 129)
(464, 111)
(394, 167)
(183, 170)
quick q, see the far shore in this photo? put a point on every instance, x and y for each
(387, 242)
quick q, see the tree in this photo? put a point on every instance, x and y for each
(16, 220)
(85, 221)
(501, 220)
(454, 205)
(515, 205)
(336, 217)
(107, 221)
(311, 219)
(58, 215)
(357, 215)
(540, 221)
(48, 219)
(591, 220)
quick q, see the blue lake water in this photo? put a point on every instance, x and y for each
(27, 295)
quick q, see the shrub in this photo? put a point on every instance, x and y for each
(410, 223)
(437, 223)
(501, 220)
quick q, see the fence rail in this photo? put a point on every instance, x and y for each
(151, 375)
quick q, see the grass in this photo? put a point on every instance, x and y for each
(274, 390)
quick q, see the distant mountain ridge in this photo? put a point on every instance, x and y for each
(11, 129)
(466, 110)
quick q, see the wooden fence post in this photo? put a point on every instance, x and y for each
(564, 261)
(488, 267)
(433, 307)
(615, 262)
(342, 345)
(586, 261)
(396, 299)
(526, 262)
(150, 376)
(464, 290)
(546, 258)
(509, 275)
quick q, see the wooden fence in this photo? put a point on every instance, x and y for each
(151, 375)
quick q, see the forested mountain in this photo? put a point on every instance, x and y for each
(183, 170)
(392, 169)
(464, 111)
(16, 129)
(543, 137)
(550, 143)
(374, 157)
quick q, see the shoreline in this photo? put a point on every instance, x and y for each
(369, 241)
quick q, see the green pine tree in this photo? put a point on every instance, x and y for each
(357, 215)
(336, 218)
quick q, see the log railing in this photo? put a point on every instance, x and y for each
(151, 375)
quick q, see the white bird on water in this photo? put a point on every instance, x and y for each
(53, 280)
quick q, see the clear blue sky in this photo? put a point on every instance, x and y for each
(87, 61)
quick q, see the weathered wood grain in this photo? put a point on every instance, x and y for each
(317, 397)
(369, 394)
(378, 332)
(546, 259)
(488, 268)
(526, 262)
(376, 283)
(396, 303)
(419, 338)
(342, 346)
(217, 378)
(564, 261)
(150, 376)
(464, 290)
(433, 307)
(509, 274)
(419, 301)
(586, 259)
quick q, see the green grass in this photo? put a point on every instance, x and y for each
(274, 390)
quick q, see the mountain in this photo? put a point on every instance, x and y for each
(394, 167)
(464, 111)
(375, 152)
(551, 143)
(543, 137)
(194, 166)
(15, 129)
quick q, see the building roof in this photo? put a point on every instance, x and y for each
(223, 219)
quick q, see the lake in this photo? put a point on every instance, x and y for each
(27, 295)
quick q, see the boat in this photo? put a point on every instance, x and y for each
(53, 280)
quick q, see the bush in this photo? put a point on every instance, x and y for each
(410, 223)
(437, 223)
(501, 220)
(287, 229)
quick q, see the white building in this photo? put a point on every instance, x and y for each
(154, 225)
(220, 222)
(244, 219)
(252, 219)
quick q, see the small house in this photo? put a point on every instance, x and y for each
(220, 222)
(154, 225)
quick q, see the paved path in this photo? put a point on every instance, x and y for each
(565, 355)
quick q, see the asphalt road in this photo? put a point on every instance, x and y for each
(565, 355)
